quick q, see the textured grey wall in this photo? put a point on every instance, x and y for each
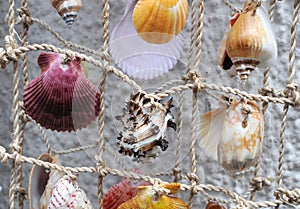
(87, 31)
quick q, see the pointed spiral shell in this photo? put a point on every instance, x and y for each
(158, 21)
(68, 9)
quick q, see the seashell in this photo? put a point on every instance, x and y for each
(138, 58)
(213, 205)
(121, 192)
(67, 195)
(41, 182)
(233, 134)
(67, 9)
(145, 122)
(148, 198)
(61, 98)
(158, 21)
(250, 41)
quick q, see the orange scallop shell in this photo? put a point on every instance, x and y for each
(68, 9)
(158, 21)
(61, 98)
(148, 199)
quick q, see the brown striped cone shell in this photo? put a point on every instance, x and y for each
(41, 183)
(67, 9)
(213, 205)
(67, 195)
(120, 193)
(250, 42)
(145, 126)
(242, 135)
(158, 21)
(148, 198)
(61, 98)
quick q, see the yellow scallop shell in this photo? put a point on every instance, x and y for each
(148, 199)
(158, 21)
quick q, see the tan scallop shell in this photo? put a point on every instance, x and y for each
(250, 42)
(148, 198)
(68, 9)
(158, 21)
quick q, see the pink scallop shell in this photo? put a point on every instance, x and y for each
(61, 98)
(121, 192)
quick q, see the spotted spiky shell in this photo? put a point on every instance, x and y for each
(61, 98)
(145, 123)
(68, 9)
(39, 195)
(120, 193)
(158, 21)
(147, 198)
(68, 195)
(250, 42)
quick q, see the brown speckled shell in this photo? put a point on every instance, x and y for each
(61, 98)
(68, 9)
(213, 205)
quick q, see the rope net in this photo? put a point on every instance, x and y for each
(192, 86)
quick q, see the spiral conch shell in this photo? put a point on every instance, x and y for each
(149, 198)
(67, 195)
(41, 182)
(250, 41)
(68, 9)
(234, 134)
(61, 98)
(158, 21)
(145, 122)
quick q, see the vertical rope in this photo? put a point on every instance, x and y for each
(264, 104)
(290, 88)
(199, 33)
(179, 144)
(193, 35)
(105, 58)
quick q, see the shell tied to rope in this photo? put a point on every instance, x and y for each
(67, 9)
(61, 98)
(249, 42)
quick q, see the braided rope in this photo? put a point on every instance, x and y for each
(191, 81)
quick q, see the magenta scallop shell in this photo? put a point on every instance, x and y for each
(121, 192)
(61, 98)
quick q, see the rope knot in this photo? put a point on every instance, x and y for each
(22, 192)
(289, 197)
(25, 16)
(177, 174)
(3, 155)
(195, 76)
(9, 54)
(259, 182)
(193, 178)
(3, 58)
(267, 91)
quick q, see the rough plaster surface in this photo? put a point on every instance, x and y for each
(87, 31)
